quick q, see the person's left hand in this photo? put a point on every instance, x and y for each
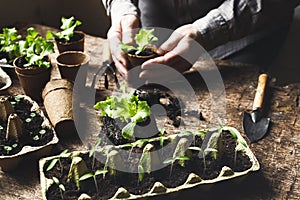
(178, 52)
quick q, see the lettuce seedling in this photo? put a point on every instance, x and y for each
(35, 48)
(127, 108)
(67, 29)
(9, 42)
(144, 38)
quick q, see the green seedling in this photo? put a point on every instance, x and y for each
(173, 159)
(61, 187)
(35, 48)
(42, 132)
(141, 170)
(204, 153)
(67, 29)
(144, 39)
(91, 175)
(240, 145)
(36, 138)
(10, 148)
(57, 159)
(128, 108)
(92, 151)
(9, 42)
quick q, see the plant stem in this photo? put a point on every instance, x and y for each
(96, 185)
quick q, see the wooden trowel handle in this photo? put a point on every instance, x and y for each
(260, 91)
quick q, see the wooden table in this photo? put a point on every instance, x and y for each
(278, 152)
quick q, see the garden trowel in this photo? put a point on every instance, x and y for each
(255, 125)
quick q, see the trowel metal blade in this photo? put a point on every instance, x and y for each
(255, 131)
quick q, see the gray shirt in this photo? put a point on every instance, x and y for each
(227, 26)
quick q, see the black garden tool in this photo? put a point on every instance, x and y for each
(255, 125)
(109, 66)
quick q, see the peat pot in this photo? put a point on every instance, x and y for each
(75, 44)
(57, 96)
(71, 62)
(32, 79)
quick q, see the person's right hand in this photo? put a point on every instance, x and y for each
(122, 30)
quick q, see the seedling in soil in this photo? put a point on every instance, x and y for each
(144, 39)
(67, 29)
(128, 108)
(92, 151)
(237, 143)
(36, 138)
(91, 175)
(204, 153)
(9, 42)
(35, 48)
(141, 170)
(61, 187)
(172, 161)
(57, 159)
(9, 148)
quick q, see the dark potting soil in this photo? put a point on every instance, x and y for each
(112, 128)
(146, 52)
(74, 38)
(130, 181)
(33, 132)
(2, 84)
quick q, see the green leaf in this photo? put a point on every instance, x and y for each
(36, 138)
(141, 172)
(127, 108)
(127, 48)
(7, 148)
(143, 111)
(64, 152)
(144, 38)
(233, 132)
(182, 158)
(86, 176)
(98, 172)
(62, 187)
(195, 148)
(128, 130)
(169, 160)
(52, 164)
(56, 181)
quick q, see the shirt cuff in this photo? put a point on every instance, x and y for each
(119, 8)
(213, 28)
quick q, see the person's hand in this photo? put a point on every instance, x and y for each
(179, 52)
(122, 30)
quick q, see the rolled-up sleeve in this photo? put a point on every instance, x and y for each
(234, 19)
(118, 8)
